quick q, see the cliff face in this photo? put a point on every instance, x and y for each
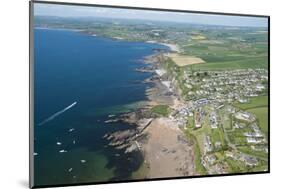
(173, 74)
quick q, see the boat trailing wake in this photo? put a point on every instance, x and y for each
(57, 114)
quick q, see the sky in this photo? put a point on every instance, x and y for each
(194, 18)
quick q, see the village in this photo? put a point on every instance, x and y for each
(228, 137)
(226, 85)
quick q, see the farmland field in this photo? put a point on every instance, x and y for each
(262, 116)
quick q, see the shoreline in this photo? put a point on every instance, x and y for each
(61, 29)
(165, 149)
(167, 152)
(173, 47)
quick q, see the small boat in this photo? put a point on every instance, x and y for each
(70, 169)
(83, 161)
(59, 143)
(74, 141)
(35, 154)
(62, 151)
(70, 130)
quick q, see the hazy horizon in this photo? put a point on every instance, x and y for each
(72, 11)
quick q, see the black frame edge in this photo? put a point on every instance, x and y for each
(31, 96)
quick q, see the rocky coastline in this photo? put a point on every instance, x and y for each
(147, 127)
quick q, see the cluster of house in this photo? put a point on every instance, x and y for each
(226, 85)
(213, 120)
(180, 116)
(207, 144)
(254, 136)
(239, 156)
(198, 117)
(209, 160)
(246, 116)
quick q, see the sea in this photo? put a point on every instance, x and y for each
(79, 82)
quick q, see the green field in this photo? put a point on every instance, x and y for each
(243, 63)
(255, 102)
(235, 50)
(259, 107)
(162, 110)
(262, 117)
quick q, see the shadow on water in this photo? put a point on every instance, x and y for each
(128, 164)
(123, 164)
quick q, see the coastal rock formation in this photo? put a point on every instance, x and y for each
(166, 150)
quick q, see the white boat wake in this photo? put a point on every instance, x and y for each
(57, 114)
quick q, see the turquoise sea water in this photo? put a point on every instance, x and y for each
(79, 81)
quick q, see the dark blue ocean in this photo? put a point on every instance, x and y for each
(99, 75)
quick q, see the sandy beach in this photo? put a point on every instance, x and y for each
(167, 152)
(173, 47)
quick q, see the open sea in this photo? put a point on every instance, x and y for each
(79, 81)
